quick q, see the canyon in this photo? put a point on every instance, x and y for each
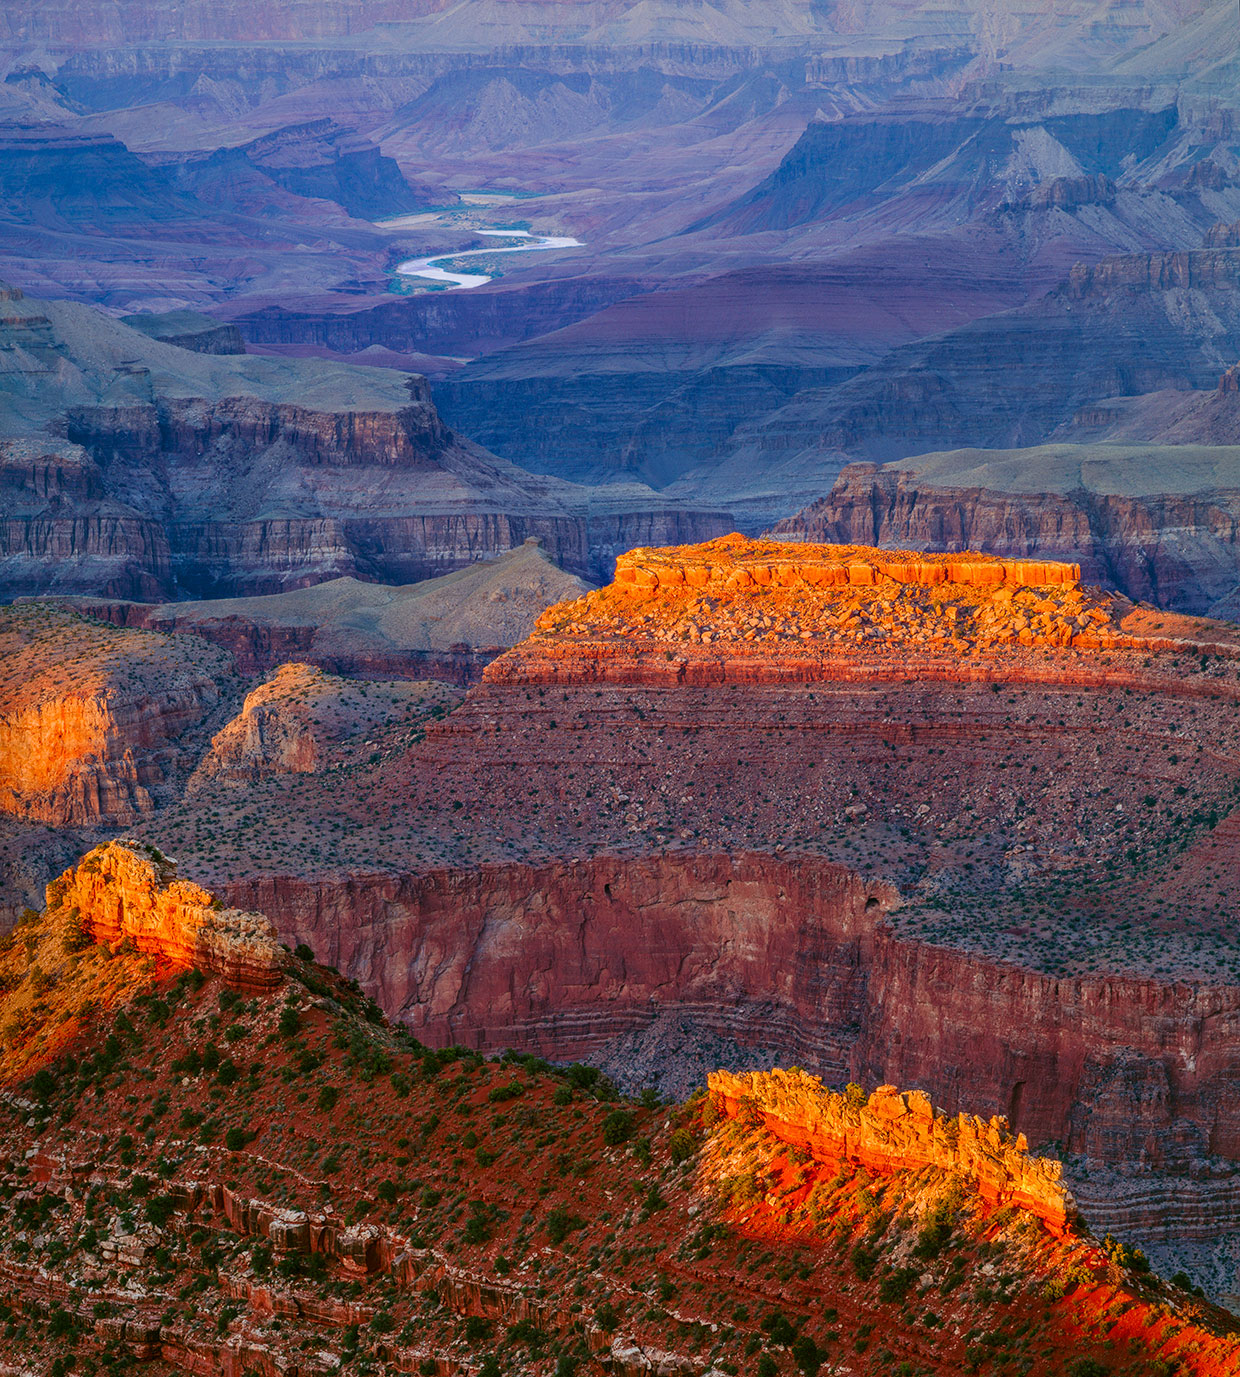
(667, 806)
(610, 1232)
(841, 806)
(138, 469)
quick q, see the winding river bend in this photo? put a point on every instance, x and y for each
(429, 267)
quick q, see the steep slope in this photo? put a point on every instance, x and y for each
(355, 1197)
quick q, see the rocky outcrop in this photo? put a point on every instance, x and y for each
(128, 891)
(899, 1132)
(98, 725)
(189, 330)
(292, 723)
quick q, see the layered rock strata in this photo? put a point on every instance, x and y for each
(133, 468)
(1178, 550)
(129, 892)
(98, 725)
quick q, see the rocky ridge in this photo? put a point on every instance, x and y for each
(445, 628)
(894, 1131)
(291, 723)
(308, 1212)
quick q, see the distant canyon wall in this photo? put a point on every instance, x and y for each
(1181, 552)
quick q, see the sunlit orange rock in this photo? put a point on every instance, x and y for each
(129, 891)
(900, 1131)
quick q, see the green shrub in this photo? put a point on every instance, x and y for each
(328, 1095)
(617, 1127)
(807, 1355)
(160, 1209)
(43, 1085)
(560, 1224)
(76, 935)
(779, 1328)
(895, 1285)
(508, 1091)
(235, 1139)
(864, 1261)
(681, 1146)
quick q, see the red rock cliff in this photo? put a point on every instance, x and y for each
(128, 891)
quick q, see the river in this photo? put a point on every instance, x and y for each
(427, 267)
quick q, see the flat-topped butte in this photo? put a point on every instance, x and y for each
(733, 563)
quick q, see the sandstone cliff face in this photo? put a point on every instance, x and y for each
(97, 725)
(1178, 552)
(899, 1132)
(1132, 1080)
(127, 891)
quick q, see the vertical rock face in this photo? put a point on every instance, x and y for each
(1179, 551)
(895, 1132)
(97, 723)
(128, 891)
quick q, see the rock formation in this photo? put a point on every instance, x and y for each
(1167, 536)
(129, 892)
(189, 330)
(99, 725)
(291, 723)
(899, 1132)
